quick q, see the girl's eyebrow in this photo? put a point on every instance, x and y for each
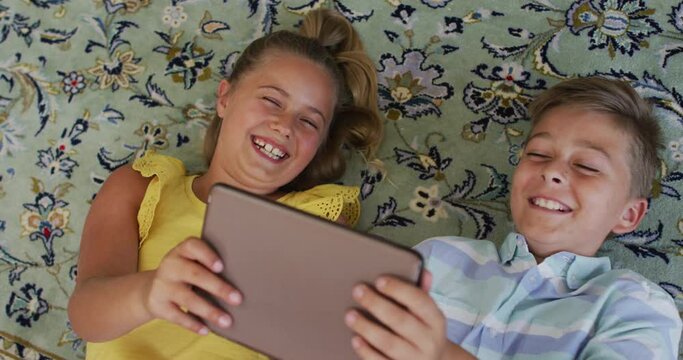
(286, 94)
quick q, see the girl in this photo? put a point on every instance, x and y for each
(290, 106)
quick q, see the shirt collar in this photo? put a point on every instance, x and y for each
(577, 269)
(514, 247)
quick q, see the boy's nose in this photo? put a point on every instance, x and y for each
(555, 174)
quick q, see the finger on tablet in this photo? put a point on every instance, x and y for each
(426, 280)
(378, 337)
(198, 250)
(416, 300)
(197, 276)
(201, 308)
(397, 319)
(364, 350)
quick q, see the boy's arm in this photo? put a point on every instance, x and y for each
(416, 331)
(643, 327)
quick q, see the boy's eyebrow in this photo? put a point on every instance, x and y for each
(286, 94)
(582, 143)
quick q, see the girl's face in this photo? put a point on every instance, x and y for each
(274, 120)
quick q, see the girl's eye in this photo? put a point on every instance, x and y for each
(310, 123)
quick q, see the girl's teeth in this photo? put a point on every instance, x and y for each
(268, 149)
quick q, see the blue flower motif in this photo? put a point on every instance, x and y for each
(45, 220)
(73, 272)
(435, 4)
(6, 15)
(28, 306)
(515, 153)
(430, 165)
(371, 177)
(23, 29)
(70, 337)
(503, 102)
(402, 15)
(676, 17)
(56, 161)
(613, 24)
(189, 64)
(408, 87)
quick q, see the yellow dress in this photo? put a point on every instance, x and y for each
(169, 213)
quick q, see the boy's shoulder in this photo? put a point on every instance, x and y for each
(632, 284)
(445, 247)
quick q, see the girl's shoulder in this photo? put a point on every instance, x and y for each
(330, 201)
(162, 166)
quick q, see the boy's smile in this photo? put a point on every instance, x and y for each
(549, 204)
(572, 185)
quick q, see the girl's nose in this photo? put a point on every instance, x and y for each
(282, 125)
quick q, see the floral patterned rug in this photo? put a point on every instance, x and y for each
(86, 86)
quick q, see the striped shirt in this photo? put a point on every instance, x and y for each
(502, 304)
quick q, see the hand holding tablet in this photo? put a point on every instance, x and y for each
(296, 272)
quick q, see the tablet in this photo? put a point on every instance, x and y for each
(296, 272)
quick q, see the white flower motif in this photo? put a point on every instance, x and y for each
(174, 16)
(676, 149)
(428, 202)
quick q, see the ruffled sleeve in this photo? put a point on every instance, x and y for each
(163, 169)
(328, 201)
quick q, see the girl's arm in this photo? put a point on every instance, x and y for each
(108, 299)
(111, 297)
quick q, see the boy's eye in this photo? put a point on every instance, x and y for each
(587, 168)
(271, 101)
(538, 156)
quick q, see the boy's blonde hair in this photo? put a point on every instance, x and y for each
(328, 39)
(631, 113)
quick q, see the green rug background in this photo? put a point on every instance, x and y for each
(86, 86)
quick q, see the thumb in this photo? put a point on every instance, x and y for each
(426, 280)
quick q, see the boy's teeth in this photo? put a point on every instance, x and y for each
(548, 204)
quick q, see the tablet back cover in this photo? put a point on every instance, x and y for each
(296, 272)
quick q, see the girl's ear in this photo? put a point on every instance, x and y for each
(631, 216)
(222, 97)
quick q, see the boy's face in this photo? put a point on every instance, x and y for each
(572, 185)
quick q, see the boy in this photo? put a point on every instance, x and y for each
(586, 172)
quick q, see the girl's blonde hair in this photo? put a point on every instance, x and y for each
(326, 38)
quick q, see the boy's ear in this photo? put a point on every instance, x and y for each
(631, 216)
(222, 97)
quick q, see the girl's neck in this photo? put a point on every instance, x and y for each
(201, 186)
